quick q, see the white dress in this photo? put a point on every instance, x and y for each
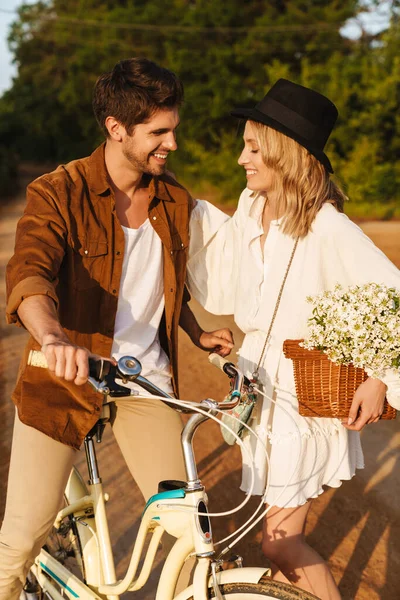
(227, 274)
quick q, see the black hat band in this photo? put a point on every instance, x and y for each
(287, 117)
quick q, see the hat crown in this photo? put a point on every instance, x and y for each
(317, 111)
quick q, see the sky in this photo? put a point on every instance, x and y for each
(373, 22)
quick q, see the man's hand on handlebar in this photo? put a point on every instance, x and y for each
(68, 361)
(220, 341)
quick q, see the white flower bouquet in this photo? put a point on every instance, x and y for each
(359, 325)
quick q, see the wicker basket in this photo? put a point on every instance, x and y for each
(325, 389)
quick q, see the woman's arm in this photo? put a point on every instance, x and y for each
(214, 255)
(351, 258)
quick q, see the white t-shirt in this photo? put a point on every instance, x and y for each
(141, 305)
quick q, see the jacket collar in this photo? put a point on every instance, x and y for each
(97, 176)
(163, 187)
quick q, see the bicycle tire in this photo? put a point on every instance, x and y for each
(64, 545)
(266, 588)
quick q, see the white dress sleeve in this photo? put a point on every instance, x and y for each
(349, 251)
(214, 253)
(205, 220)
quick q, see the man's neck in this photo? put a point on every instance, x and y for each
(129, 187)
(123, 177)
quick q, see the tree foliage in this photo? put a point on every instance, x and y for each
(227, 53)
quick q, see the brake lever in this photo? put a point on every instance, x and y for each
(230, 370)
(99, 386)
(115, 389)
(107, 385)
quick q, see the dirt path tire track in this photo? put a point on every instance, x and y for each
(355, 527)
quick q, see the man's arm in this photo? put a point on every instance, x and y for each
(39, 248)
(39, 315)
(219, 341)
(31, 275)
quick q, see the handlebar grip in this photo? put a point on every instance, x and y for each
(36, 358)
(98, 369)
(217, 360)
(225, 365)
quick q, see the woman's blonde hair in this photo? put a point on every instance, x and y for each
(302, 183)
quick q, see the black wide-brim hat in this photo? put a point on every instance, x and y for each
(302, 114)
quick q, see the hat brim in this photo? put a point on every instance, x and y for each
(252, 114)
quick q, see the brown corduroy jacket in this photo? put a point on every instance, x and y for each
(70, 246)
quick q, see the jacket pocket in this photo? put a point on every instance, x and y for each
(89, 259)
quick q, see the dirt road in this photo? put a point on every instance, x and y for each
(356, 527)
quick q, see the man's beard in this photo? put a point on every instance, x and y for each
(142, 164)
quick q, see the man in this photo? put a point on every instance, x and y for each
(99, 268)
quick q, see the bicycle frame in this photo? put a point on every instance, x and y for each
(159, 516)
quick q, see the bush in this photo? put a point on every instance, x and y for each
(8, 172)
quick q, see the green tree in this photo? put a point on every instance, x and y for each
(228, 53)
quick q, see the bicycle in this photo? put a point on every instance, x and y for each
(77, 560)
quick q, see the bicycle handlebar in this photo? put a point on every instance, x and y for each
(227, 367)
(103, 373)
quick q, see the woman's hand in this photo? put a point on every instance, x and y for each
(367, 405)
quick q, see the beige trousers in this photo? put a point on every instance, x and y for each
(148, 433)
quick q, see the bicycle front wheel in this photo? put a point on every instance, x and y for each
(64, 545)
(265, 588)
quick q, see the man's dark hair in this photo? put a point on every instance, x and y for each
(134, 90)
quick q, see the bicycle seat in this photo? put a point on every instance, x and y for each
(170, 484)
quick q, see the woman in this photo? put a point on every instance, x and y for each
(238, 266)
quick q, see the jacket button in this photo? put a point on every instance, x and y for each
(97, 408)
(154, 218)
(118, 252)
(114, 291)
(86, 251)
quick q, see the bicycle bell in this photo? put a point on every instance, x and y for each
(129, 368)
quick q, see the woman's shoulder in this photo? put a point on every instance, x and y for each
(330, 222)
